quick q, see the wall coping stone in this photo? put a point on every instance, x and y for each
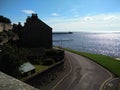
(9, 83)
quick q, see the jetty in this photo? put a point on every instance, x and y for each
(62, 32)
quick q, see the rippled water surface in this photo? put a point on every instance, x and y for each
(99, 43)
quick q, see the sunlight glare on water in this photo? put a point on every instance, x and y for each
(98, 43)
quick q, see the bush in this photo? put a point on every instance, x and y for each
(36, 61)
(9, 61)
(9, 64)
(48, 61)
(51, 52)
(57, 55)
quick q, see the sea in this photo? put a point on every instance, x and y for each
(96, 43)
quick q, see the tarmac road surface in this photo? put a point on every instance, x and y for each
(83, 74)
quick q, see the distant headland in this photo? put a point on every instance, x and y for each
(62, 32)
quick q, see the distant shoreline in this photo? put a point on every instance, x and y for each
(62, 33)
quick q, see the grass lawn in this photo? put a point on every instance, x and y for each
(40, 67)
(110, 63)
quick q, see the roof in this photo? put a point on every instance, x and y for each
(26, 67)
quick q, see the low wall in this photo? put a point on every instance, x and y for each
(9, 83)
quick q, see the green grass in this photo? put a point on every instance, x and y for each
(108, 62)
(40, 67)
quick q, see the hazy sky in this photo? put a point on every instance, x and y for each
(66, 15)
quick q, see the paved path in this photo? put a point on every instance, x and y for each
(83, 74)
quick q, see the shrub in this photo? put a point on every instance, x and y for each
(57, 55)
(48, 61)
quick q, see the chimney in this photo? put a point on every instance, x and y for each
(34, 15)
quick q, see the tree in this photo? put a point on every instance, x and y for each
(4, 19)
(9, 65)
(9, 62)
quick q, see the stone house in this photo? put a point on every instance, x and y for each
(5, 26)
(35, 33)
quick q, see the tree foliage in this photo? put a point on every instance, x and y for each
(4, 19)
(48, 61)
(57, 55)
(9, 62)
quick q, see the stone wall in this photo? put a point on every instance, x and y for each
(9, 83)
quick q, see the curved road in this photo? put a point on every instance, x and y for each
(83, 74)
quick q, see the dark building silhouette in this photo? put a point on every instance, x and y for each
(35, 33)
(17, 28)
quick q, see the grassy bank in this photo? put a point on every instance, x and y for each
(40, 67)
(108, 62)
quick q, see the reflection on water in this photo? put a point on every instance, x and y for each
(99, 43)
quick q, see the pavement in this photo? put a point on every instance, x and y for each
(83, 74)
